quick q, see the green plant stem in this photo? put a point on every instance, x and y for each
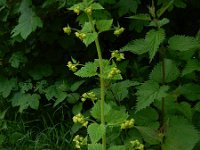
(102, 86)
(163, 99)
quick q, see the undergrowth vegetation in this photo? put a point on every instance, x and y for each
(99, 75)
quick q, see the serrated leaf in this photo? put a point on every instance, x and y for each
(171, 72)
(164, 8)
(61, 96)
(126, 6)
(183, 43)
(181, 135)
(86, 27)
(25, 100)
(96, 6)
(6, 86)
(118, 147)
(120, 90)
(77, 108)
(16, 59)
(160, 23)
(94, 146)
(150, 135)
(146, 17)
(191, 91)
(72, 98)
(95, 131)
(153, 40)
(40, 71)
(90, 37)
(104, 25)
(89, 70)
(96, 110)
(137, 46)
(28, 21)
(192, 65)
(76, 85)
(148, 92)
(116, 117)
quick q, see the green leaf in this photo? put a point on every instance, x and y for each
(181, 135)
(164, 8)
(137, 46)
(126, 6)
(191, 91)
(28, 21)
(146, 17)
(89, 70)
(76, 85)
(116, 117)
(94, 146)
(171, 72)
(148, 92)
(72, 98)
(6, 86)
(61, 96)
(192, 65)
(117, 147)
(17, 58)
(87, 28)
(120, 90)
(150, 135)
(159, 23)
(95, 131)
(40, 71)
(183, 43)
(96, 6)
(104, 25)
(90, 37)
(77, 108)
(25, 100)
(153, 39)
(96, 110)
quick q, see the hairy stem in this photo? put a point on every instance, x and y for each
(102, 86)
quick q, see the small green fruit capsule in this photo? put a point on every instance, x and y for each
(67, 30)
(89, 10)
(77, 10)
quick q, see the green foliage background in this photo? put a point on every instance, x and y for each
(39, 95)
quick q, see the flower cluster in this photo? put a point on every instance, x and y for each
(88, 95)
(79, 118)
(72, 66)
(67, 30)
(114, 71)
(77, 10)
(80, 35)
(117, 55)
(128, 124)
(88, 11)
(137, 145)
(78, 141)
(119, 31)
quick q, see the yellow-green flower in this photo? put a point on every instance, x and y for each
(67, 30)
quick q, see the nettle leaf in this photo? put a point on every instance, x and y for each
(148, 92)
(116, 117)
(192, 65)
(25, 100)
(159, 23)
(6, 86)
(94, 146)
(180, 135)
(150, 135)
(96, 110)
(90, 37)
(153, 40)
(104, 25)
(146, 17)
(120, 90)
(137, 46)
(96, 6)
(28, 21)
(171, 72)
(95, 131)
(89, 70)
(86, 27)
(191, 91)
(117, 147)
(76, 85)
(17, 58)
(183, 43)
(40, 71)
(126, 6)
